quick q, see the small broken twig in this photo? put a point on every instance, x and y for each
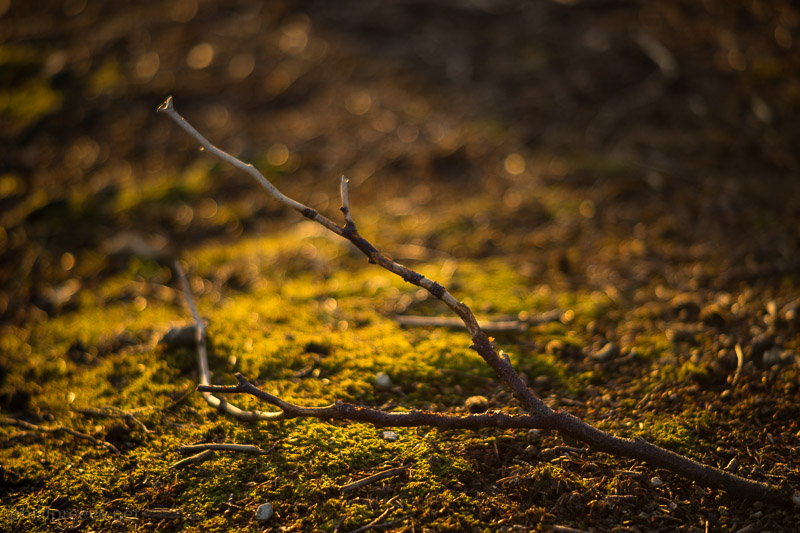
(57, 429)
(227, 447)
(202, 361)
(376, 524)
(169, 514)
(113, 412)
(197, 459)
(392, 472)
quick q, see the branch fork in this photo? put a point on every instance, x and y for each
(539, 415)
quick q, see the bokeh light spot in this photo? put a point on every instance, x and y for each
(277, 155)
(147, 66)
(358, 103)
(241, 66)
(514, 164)
(200, 56)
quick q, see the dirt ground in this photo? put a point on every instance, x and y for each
(632, 164)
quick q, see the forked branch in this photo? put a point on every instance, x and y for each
(540, 415)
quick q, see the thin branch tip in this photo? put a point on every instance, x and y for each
(166, 105)
(345, 193)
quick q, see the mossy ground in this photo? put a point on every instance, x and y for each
(522, 185)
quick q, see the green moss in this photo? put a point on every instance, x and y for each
(669, 432)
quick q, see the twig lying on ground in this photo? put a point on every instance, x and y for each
(194, 459)
(540, 415)
(376, 524)
(113, 412)
(392, 472)
(34, 429)
(168, 514)
(202, 361)
(227, 447)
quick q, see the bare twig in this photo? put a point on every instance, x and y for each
(539, 413)
(376, 524)
(113, 412)
(202, 362)
(392, 472)
(180, 399)
(169, 514)
(56, 429)
(228, 447)
(194, 459)
(345, 192)
(345, 411)
(565, 529)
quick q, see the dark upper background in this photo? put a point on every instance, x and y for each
(676, 121)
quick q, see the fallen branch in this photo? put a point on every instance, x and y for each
(33, 429)
(540, 415)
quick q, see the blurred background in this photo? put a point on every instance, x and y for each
(609, 144)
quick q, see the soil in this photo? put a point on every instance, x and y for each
(632, 165)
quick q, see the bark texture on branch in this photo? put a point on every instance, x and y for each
(540, 415)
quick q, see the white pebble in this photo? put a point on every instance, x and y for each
(264, 512)
(383, 381)
(391, 436)
(656, 482)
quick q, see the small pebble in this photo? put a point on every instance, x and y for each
(656, 482)
(383, 381)
(533, 434)
(390, 435)
(733, 465)
(264, 512)
(727, 394)
(476, 404)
